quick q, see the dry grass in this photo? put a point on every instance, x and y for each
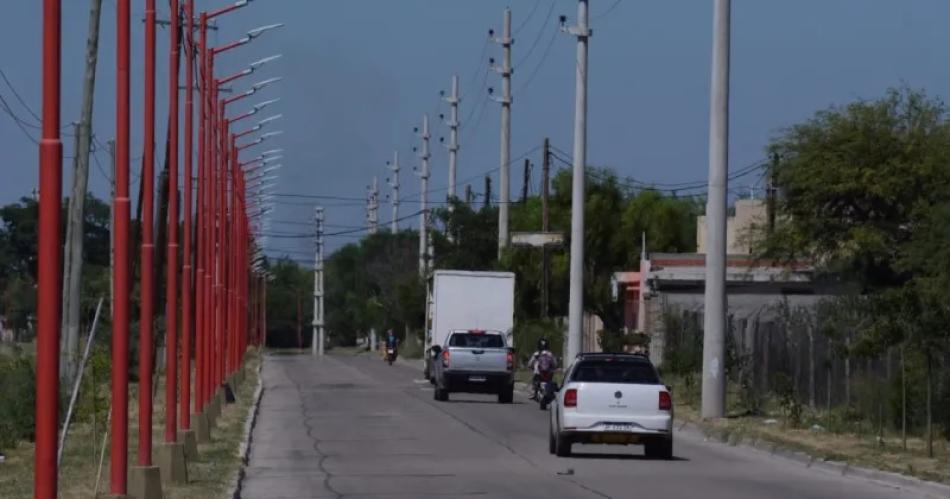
(859, 450)
(209, 476)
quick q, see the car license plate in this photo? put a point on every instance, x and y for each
(615, 438)
(477, 379)
(618, 427)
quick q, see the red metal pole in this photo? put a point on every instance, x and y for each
(217, 244)
(232, 252)
(147, 284)
(186, 276)
(201, 365)
(49, 254)
(171, 255)
(118, 452)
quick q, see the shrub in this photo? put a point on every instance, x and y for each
(528, 332)
(17, 399)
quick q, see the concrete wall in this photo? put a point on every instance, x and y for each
(750, 214)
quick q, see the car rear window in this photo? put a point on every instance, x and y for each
(615, 371)
(470, 340)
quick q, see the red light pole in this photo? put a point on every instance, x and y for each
(186, 280)
(171, 280)
(120, 280)
(147, 283)
(49, 286)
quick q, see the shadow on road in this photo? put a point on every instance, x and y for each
(480, 402)
(623, 457)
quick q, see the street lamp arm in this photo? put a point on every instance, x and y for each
(224, 10)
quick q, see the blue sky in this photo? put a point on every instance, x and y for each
(359, 74)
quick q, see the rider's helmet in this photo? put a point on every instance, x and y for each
(542, 344)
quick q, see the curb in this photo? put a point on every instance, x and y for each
(883, 478)
(244, 451)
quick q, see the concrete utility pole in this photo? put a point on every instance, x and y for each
(317, 343)
(575, 330)
(453, 125)
(505, 71)
(714, 318)
(372, 207)
(394, 184)
(72, 259)
(424, 211)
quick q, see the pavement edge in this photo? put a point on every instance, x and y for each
(244, 451)
(885, 478)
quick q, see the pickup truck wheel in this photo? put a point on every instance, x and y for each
(659, 449)
(562, 446)
(506, 395)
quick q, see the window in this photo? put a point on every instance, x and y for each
(469, 340)
(615, 371)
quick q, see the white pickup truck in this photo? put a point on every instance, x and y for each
(613, 399)
(474, 361)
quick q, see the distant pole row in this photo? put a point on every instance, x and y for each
(219, 278)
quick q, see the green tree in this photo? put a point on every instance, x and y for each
(864, 196)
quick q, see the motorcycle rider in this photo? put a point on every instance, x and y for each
(543, 363)
(392, 342)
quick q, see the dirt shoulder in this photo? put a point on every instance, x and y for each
(864, 451)
(210, 476)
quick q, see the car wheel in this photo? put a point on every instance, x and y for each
(552, 445)
(506, 395)
(440, 394)
(562, 445)
(659, 449)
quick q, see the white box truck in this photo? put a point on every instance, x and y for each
(469, 300)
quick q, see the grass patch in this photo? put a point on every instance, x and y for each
(863, 450)
(210, 476)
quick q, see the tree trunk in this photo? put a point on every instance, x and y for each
(829, 384)
(847, 371)
(903, 400)
(811, 367)
(766, 347)
(930, 426)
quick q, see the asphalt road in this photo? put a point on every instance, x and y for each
(355, 427)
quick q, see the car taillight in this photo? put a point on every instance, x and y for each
(570, 398)
(666, 401)
(445, 358)
(511, 361)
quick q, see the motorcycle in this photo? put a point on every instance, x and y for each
(390, 355)
(544, 389)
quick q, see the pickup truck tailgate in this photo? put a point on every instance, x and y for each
(477, 352)
(478, 359)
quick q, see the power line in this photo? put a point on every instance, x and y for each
(608, 11)
(473, 177)
(18, 121)
(315, 196)
(537, 39)
(544, 57)
(528, 18)
(19, 98)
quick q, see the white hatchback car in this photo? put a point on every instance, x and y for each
(613, 399)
